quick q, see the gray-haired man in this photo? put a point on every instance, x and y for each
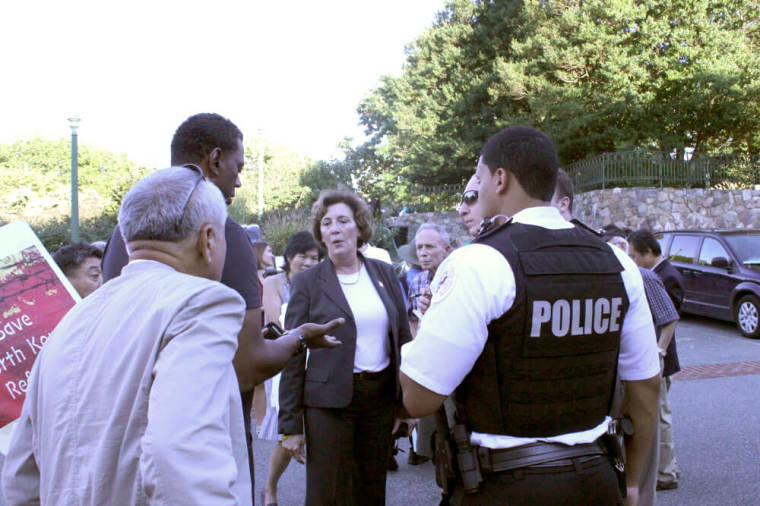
(134, 398)
(433, 245)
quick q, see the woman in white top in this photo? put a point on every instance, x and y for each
(346, 398)
(300, 253)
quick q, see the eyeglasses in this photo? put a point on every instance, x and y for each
(470, 197)
(197, 169)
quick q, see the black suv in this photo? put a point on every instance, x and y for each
(721, 274)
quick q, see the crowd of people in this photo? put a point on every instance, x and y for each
(516, 361)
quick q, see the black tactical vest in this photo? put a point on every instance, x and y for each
(549, 364)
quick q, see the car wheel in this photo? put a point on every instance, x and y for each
(748, 316)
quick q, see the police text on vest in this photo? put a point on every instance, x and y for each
(577, 317)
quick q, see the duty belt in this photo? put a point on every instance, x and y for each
(534, 454)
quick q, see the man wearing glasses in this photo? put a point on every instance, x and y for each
(134, 398)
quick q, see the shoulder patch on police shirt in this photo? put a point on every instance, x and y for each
(444, 283)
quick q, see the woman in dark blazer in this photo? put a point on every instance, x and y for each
(345, 400)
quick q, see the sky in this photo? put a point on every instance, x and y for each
(133, 71)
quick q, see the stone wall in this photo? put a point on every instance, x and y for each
(450, 220)
(669, 208)
(653, 208)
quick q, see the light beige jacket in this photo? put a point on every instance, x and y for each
(134, 400)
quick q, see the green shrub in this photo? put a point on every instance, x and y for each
(55, 233)
(277, 226)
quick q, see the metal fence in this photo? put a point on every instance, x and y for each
(662, 169)
(620, 169)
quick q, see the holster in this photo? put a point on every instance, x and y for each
(467, 460)
(614, 440)
(451, 443)
(445, 468)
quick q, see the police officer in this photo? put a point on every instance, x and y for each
(527, 327)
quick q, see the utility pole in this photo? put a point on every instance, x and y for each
(74, 124)
(260, 164)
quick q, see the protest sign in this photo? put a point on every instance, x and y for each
(34, 296)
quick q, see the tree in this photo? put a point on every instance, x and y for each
(596, 75)
(35, 185)
(328, 174)
(283, 169)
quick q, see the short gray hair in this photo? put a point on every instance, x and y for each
(445, 237)
(154, 208)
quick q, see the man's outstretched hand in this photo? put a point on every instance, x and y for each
(315, 334)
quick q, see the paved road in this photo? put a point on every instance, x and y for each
(716, 420)
(716, 429)
(716, 423)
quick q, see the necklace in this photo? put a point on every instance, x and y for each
(345, 280)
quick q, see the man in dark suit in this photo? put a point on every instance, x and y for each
(646, 252)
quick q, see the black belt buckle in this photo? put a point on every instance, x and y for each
(362, 375)
(370, 375)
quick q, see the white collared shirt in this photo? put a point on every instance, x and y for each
(475, 285)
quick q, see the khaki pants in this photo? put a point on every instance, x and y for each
(648, 483)
(668, 468)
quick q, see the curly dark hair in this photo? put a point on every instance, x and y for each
(198, 135)
(71, 256)
(362, 214)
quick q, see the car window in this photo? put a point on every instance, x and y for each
(711, 249)
(747, 249)
(684, 248)
(663, 240)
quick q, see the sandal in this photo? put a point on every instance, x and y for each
(263, 496)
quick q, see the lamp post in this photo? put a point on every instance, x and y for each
(74, 124)
(260, 164)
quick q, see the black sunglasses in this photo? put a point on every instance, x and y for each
(201, 177)
(469, 197)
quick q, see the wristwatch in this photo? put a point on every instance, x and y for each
(301, 342)
(663, 352)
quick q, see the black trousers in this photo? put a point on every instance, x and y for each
(592, 482)
(247, 398)
(347, 449)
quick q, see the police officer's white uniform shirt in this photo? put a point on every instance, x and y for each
(476, 285)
